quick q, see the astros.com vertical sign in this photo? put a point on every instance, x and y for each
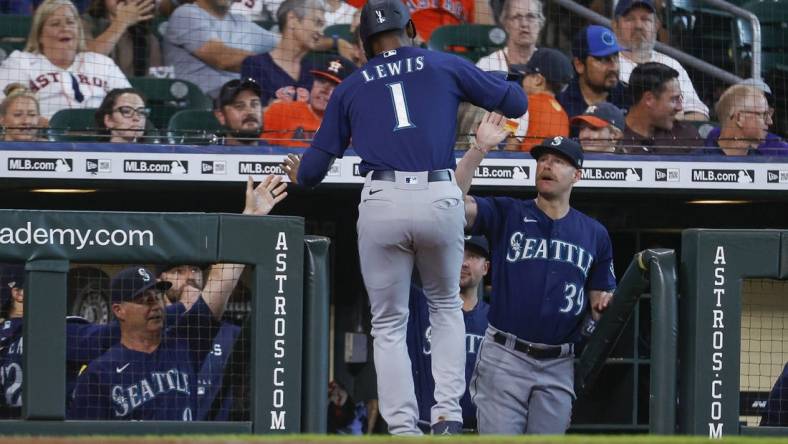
(717, 343)
(279, 341)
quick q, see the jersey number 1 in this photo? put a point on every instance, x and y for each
(400, 106)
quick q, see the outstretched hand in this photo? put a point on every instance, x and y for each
(260, 200)
(290, 165)
(492, 131)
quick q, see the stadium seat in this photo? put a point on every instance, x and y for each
(14, 30)
(165, 97)
(469, 41)
(343, 31)
(193, 127)
(773, 16)
(79, 125)
(703, 31)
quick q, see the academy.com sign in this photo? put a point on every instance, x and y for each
(74, 237)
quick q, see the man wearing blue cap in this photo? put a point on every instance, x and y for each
(595, 50)
(475, 265)
(552, 268)
(635, 23)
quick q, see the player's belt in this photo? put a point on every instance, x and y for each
(548, 352)
(432, 176)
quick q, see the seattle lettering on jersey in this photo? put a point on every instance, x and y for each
(44, 80)
(132, 396)
(472, 342)
(523, 248)
(404, 66)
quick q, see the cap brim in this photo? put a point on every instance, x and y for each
(540, 150)
(159, 285)
(594, 121)
(326, 75)
(606, 52)
(477, 249)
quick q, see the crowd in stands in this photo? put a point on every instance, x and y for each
(271, 84)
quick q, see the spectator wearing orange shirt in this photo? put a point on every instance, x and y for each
(546, 74)
(295, 123)
(429, 15)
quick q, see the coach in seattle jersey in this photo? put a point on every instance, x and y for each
(148, 375)
(551, 264)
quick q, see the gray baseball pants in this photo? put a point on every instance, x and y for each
(515, 393)
(403, 223)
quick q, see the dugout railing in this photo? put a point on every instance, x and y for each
(714, 265)
(651, 271)
(274, 246)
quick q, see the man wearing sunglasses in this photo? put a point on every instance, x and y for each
(123, 116)
(595, 59)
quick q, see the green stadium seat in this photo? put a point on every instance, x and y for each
(79, 125)
(165, 97)
(469, 41)
(343, 31)
(773, 17)
(703, 31)
(193, 127)
(14, 29)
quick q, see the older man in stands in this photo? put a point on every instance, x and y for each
(736, 100)
(206, 43)
(635, 24)
(239, 109)
(651, 125)
(595, 50)
(523, 21)
(745, 117)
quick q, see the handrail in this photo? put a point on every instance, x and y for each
(756, 31)
(682, 57)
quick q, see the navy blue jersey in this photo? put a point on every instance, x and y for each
(777, 406)
(270, 76)
(211, 375)
(401, 109)
(420, 352)
(542, 268)
(11, 348)
(132, 385)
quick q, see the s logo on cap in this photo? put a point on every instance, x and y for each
(591, 109)
(145, 276)
(608, 39)
(557, 141)
(380, 17)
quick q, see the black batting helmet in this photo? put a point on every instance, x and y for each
(379, 16)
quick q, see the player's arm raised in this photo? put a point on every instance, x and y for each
(491, 132)
(222, 278)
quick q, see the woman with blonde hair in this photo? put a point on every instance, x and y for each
(20, 116)
(56, 65)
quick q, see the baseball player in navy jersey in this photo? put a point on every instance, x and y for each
(550, 264)
(776, 414)
(400, 110)
(475, 265)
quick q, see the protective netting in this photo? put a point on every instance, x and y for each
(176, 56)
(156, 342)
(764, 353)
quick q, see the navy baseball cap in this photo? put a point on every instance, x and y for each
(231, 89)
(552, 64)
(11, 276)
(332, 67)
(478, 244)
(625, 6)
(132, 282)
(596, 41)
(601, 115)
(562, 146)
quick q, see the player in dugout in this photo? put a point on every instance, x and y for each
(152, 372)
